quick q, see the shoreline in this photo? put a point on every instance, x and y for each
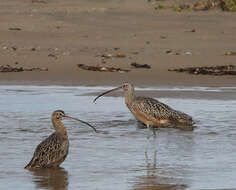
(171, 80)
(204, 93)
(50, 37)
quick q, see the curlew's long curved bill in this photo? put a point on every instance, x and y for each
(114, 89)
(69, 117)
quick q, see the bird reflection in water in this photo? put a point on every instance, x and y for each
(51, 178)
(153, 181)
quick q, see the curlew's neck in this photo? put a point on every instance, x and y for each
(129, 96)
(59, 126)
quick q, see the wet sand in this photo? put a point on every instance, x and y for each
(61, 34)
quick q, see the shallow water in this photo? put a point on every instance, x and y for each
(199, 159)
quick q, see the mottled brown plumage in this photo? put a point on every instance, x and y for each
(150, 111)
(52, 151)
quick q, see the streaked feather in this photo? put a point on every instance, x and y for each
(50, 152)
(154, 108)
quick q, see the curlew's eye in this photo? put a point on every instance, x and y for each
(59, 115)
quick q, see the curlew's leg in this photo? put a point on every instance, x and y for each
(155, 140)
(146, 160)
(148, 137)
(155, 159)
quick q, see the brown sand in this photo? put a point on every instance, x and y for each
(79, 32)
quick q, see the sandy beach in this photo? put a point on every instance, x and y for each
(59, 35)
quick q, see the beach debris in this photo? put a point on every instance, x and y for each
(177, 8)
(169, 51)
(187, 53)
(36, 69)
(182, 6)
(160, 6)
(66, 53)
(38, 1)
(201, 5)
(52, 55)
(212, 70)
(14, 48)
(153, 1)
(228, 5)
(230, 53)
(185, 6)
(8, 68)
(206, 5)
(163, 37)
(224, 5)
(136, 65)
(107, 55)
(177, 52)
(102, 68)
(14, 28)
(36, 48)
(103, 61)
(120, 55)
(191, 30)
(53, 49)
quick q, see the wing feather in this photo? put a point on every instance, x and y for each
(48, 152)
(158, 110)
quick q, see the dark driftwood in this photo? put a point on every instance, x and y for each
(8, 68)
(102, 69)
(214, 70)
(15, 28)
(136, 65)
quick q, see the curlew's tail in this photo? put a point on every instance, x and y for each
(185, 123)
(184, 119)
(28, 166)
(31, 164)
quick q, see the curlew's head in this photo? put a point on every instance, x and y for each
(127, 87)
(59, 115)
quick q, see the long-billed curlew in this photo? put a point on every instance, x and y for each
(52, 151)
(152, 112)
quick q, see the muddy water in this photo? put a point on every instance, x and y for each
(202, 159)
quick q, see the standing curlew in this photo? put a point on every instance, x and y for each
(152, 112)
(52, 151)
